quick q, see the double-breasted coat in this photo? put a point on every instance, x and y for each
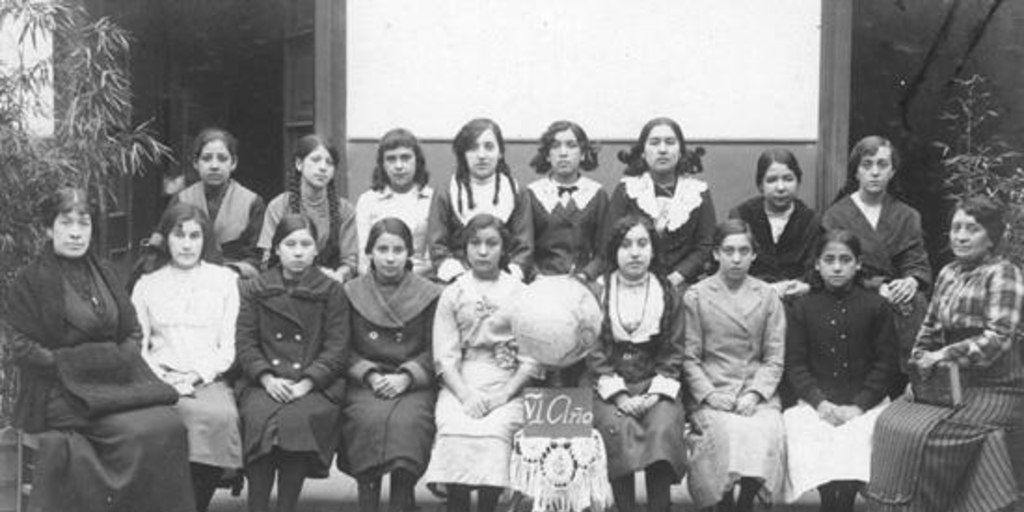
(390, 334)
(293, 331)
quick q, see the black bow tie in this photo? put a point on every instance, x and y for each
(567, 190)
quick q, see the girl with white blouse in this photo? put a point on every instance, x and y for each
(187, 309)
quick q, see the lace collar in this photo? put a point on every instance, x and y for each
(671, 214)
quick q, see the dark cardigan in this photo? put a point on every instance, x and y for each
(792, 257)
(37, 314)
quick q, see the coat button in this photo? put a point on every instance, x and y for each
(298, 337)
(398, 337)
(279, 336)
(842, 336)
(275, 362)
(296, 366)
(373, 335)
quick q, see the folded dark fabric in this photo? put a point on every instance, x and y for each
(107, 377)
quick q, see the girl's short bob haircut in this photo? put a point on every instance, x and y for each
(588, 149)
(390, 226)
(289, 223)
(776, 156)
(481, 222)
(394, 139)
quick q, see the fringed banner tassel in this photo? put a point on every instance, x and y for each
(562, 474)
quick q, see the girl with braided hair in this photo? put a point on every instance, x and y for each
(482, 183)
(311, 191)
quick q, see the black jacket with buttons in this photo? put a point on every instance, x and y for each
(294, 331)
(841, 347)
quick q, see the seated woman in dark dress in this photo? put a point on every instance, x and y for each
(291, 341)
(112, 440)
(784, 228)
(388, 424)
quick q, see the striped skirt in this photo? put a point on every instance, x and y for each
(929, 458)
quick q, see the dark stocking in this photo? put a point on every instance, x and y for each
(846, 495)
(624, 492)
(291, 474)
(828, 497)
(487, 498)
(204, 483)
(403, 498)
(728, 503)
(658, 477)
(260, 474)
(748, 491)
(458, 498)
(369, 493)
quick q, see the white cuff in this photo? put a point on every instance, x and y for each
(610, 385)
(664, 386)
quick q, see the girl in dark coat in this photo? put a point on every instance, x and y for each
(111, 441)
(389, 407)
(291, 342)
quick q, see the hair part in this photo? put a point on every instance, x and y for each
(868, 146)
(836, 236)
(731, 227)
(173, 218)
(689, 161)
(394, 139)
(618, 233)
(211, 134)
(988, 212)
(390, 226)
(289, 223)
(481, 222)
(588, 148)
(330, 255)
(776, 156)
(65, 199)
(463, 142)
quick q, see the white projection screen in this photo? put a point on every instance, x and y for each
(726, 69)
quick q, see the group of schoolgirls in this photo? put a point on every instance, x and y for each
(345, 343)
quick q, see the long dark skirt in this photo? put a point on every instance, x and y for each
(928, 459)
(379, 436)
(307, 425)
(633, 444)
(121, 462)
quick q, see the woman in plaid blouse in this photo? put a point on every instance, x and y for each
(932, 458)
